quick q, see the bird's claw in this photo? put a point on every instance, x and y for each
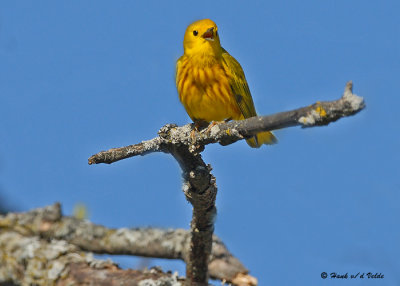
(211, 125)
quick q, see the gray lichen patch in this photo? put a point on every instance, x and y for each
(175, 134)
(356, 102)
(56, 270)
(32, 261)
(148, 145)
(162, 281)
(127, 236)
(310, 119)
(214, 130)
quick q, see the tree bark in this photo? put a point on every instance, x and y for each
(30, 261)
(48, 224)
(199, 185)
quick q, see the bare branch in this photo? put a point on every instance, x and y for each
(199, 184)
(116, 154)
(49, 223)
(317, 114)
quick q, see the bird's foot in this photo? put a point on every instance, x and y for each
(212, 124)
(193, 135)
(198, 125)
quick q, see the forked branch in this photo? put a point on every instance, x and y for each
(199, 184)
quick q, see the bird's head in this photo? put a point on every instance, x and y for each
(201, 37)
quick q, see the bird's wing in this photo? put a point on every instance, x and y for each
(177, 68)
(239, 85)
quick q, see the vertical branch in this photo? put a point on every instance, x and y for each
(200, 190)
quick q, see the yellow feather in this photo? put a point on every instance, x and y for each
(211, 83)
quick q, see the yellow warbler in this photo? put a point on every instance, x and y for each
(211, 83)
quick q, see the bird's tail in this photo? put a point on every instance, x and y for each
(261, 138)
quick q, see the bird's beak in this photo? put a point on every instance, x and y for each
(209, 34)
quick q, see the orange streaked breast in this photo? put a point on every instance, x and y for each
(205, 92)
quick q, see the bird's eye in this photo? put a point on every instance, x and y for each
(195, 33)
(216, 33)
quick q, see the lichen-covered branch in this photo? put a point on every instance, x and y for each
(199, 184)
(317, 114)
(33, 261)
(49, 223)
(200, 190)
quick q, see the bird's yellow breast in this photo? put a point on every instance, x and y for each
(204, 89)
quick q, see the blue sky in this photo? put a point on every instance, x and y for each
(78, 77)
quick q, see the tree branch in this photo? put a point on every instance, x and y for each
(199, 184)
(317, 114)
(48, 223)
(33, 261)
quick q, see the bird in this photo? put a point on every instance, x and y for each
(211, 83)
